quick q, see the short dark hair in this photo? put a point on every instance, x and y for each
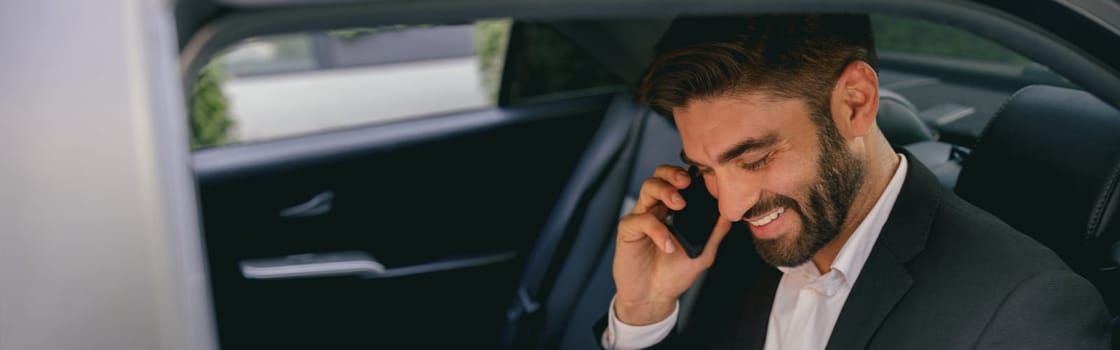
(790, 56)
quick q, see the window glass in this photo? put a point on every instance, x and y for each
(948, 53)
(284, 85)
(543, 64)
(922, 38)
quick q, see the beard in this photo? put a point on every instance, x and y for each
(828, 199)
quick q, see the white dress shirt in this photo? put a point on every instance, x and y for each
(806, 304)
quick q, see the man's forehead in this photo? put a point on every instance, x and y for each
(740, 111)
(711, 128)
(761, 98)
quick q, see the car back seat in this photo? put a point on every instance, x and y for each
(1048, 164)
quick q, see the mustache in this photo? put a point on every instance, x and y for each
(769, 203)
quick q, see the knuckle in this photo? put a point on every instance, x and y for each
(665, 171)
(668, 191)
(628, 220)
(653, 186)
(629, 228)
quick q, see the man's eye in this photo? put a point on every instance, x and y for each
(758, 164)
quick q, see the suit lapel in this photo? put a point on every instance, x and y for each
(884, 279)
(756, 310)
(881, 285)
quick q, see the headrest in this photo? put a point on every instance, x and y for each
(1048, 164)
(899, 121)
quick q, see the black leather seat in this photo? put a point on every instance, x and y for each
(1049, 165)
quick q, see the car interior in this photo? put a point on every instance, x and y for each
(495, 225)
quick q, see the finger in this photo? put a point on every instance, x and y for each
(723, 226)
(636, 227)
(656, 191)
(659, 211)
(673, 174)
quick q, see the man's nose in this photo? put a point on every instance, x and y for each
(736, 194)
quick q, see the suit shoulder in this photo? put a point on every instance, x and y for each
(971, 266)
(969, 237)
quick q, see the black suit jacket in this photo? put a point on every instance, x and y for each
(943, 275)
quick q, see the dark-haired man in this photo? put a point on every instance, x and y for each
(855, 245)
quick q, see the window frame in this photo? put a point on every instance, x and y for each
(1057, 35)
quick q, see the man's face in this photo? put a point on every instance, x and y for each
(773, 169)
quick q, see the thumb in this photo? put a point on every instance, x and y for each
(723, 226)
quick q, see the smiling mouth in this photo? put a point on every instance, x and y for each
(764, 219)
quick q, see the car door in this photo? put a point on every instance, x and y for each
(382, 185)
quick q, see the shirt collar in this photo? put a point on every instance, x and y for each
(849, 262)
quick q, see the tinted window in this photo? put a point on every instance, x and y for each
(543, 63)
(913, 36)
(277, 86)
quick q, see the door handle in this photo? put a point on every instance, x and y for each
(354, 263)
(318, 205)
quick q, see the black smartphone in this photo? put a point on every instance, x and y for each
(693, 225)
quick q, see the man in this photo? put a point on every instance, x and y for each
(855, 245)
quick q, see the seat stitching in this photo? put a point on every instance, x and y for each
(1098, 211)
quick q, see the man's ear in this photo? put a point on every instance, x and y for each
(855, 100)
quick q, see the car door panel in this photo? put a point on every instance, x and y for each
(446, 207)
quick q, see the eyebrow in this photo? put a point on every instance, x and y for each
(743, 146)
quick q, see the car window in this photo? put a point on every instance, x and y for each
(900, 35)
(277, 86)
(544, 64)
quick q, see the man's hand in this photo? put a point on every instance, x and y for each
(651, 270)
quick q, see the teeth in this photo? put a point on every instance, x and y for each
(768, 218)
